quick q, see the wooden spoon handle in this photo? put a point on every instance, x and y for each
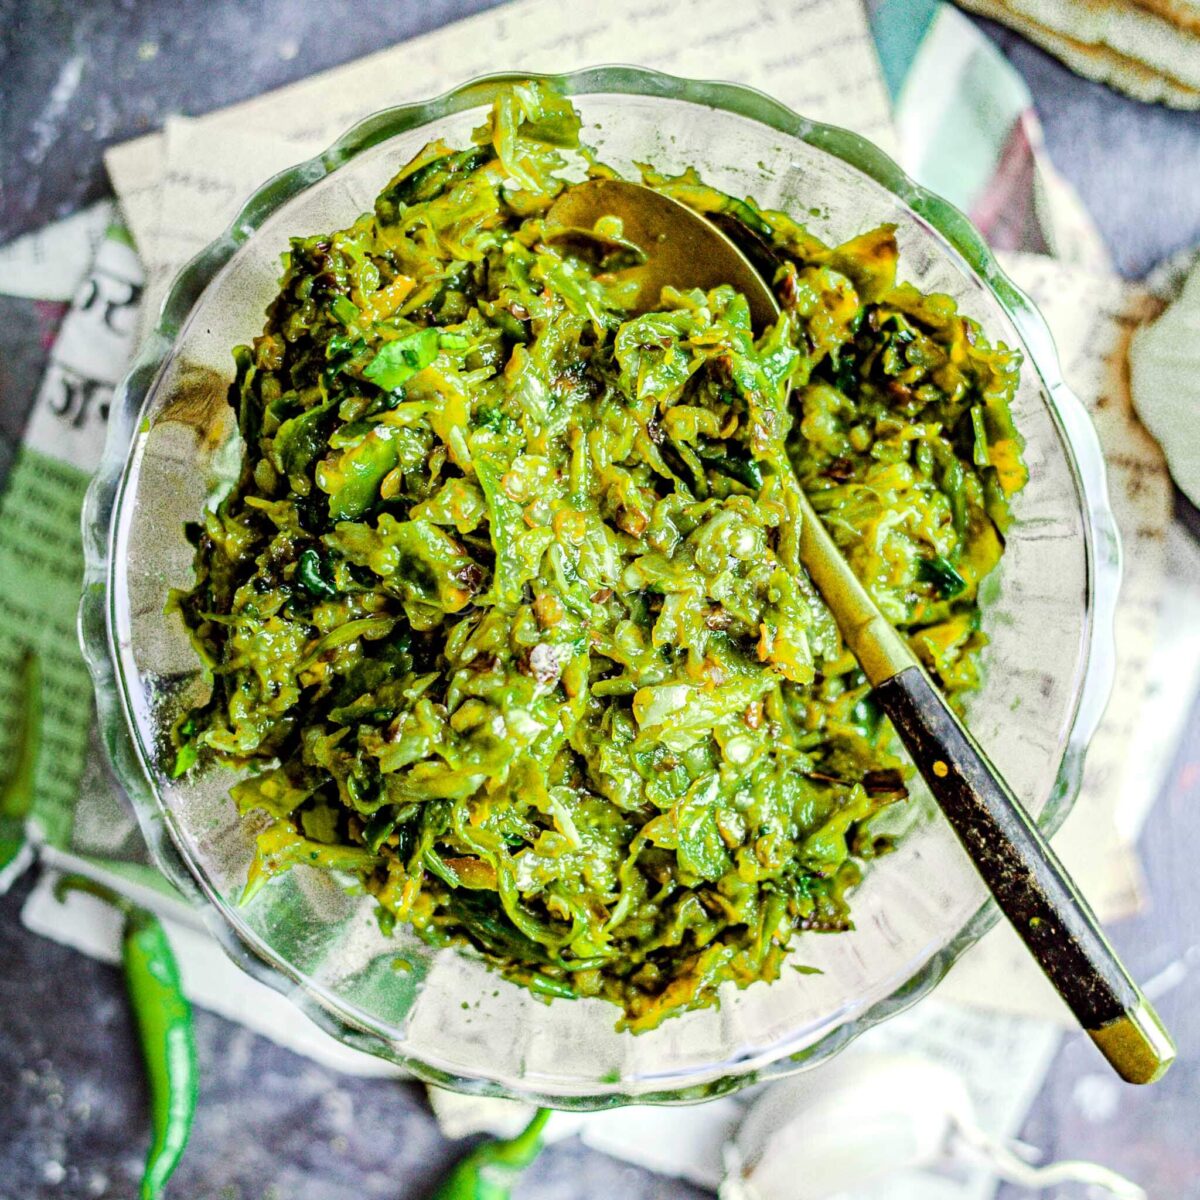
(1029, 883)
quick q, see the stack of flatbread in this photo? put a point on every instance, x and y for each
(1147, 48)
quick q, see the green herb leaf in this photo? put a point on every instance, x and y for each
(397, 362)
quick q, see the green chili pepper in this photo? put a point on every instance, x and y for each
(490, 1170)
(16, 792)
(164, 1021)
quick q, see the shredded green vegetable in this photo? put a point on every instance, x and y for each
(506, 610)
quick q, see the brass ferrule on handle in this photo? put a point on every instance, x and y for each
(1137, 1045)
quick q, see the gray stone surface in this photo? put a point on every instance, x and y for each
(272, 1126)
(76, 77)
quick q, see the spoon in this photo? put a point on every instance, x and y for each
(1023, 873)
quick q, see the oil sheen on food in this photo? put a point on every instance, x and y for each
(505, 618)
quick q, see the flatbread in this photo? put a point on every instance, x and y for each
(1183, 14)
(1124, 28)
(1098, 62)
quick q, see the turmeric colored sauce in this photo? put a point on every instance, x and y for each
(506, 610)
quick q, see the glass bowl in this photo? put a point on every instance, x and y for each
(447, 1017)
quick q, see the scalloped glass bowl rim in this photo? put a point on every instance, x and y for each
(105, 493)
